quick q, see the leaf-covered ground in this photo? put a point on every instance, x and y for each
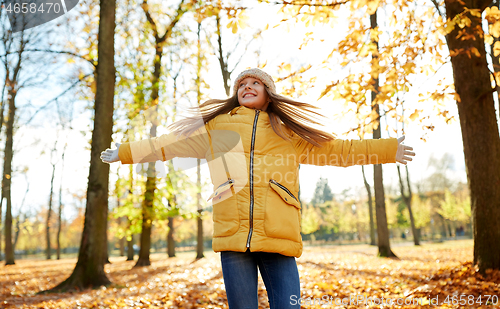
(331, 277)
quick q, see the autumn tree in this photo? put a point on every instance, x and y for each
(310, 220)
(89, 269)
(15, 58)
(160, 40)
(322, 192)
(132, 88)
(461, 21)
(472, 78)
(384, 247)
(229, 56)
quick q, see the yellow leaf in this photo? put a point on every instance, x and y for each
(455, 52)
(496, 49)
(242, 21)
(372, 6)
(475, 12)
(495, 29)
(374, 34)
(414, 115)
(408, 67)
(450, 25)
(496, 77)
(464, 21)
(327, 89)
(488, 39)
(492, 14)
(475, 52)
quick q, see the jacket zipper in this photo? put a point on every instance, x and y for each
(252, 145)
(227, 182)
(215, 193)
(284, 188)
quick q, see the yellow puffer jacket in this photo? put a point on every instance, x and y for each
(255, 175)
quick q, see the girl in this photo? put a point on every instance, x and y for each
(254, 142)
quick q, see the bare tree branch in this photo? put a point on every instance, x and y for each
(438, 8)
(92, 62)
(168, 32)
(58, 96)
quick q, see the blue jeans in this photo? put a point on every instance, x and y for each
(279, 273)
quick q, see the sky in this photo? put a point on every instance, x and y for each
(277, 45)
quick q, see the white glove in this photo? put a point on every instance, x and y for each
(110, 155)
(403, 152)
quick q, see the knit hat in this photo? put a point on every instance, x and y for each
(255, 73)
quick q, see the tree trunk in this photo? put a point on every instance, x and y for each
(199, 243)
(48, 254)
(7, 176)
(226, 75)
(407, 200)
(122, 240)
(130, 243)
(496, 61)
(89, 269)
(384, 247)
(106, 257)
(2, 120)
(18, 219)
(120, 220)
(170, 238)
(18, 230)
(444, 232)
(59, 212)
(147, 208)
(130, 249)
(122, 246)
(147, 218)
(147, 205)
(1, 225)
(479, 131)
(370, 208)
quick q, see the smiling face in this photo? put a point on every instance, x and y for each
(252, 94)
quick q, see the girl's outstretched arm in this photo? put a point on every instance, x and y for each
(339, 152)
(164, 147)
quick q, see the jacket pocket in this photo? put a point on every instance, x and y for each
(225, 210)
(282, 215)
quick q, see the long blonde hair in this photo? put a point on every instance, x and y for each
(291, 113)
